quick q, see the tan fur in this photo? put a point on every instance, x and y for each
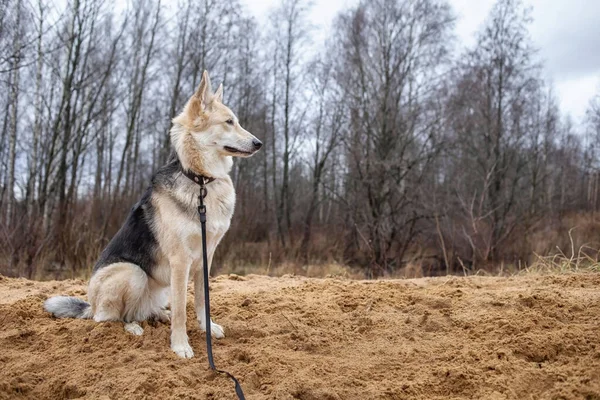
(123, 291)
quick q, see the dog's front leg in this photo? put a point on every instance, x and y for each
(180, 267)
(216, 330)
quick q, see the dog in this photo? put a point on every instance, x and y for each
(158, 248)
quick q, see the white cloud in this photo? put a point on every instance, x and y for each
(568, 35)
(470, 18)
(575, 94)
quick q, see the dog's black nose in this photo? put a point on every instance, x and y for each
(257, 144)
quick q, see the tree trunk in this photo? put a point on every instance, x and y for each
(14, 101)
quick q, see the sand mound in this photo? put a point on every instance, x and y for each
(294, 338)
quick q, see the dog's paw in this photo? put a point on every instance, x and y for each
(163, 316)
(216, 329)
(134, 328)
(183, 350)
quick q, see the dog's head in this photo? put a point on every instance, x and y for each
(209, 127)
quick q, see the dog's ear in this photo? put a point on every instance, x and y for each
(204, 92)
(218, 97)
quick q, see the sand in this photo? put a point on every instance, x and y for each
(526, 337)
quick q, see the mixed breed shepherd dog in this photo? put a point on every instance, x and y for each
(159, 247)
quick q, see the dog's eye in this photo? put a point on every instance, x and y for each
(229, 121)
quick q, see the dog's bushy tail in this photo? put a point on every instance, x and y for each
(68, 307)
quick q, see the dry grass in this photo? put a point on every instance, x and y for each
(585, 259)
(579, 258)
(553, 248)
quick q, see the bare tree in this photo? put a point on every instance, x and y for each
(292, 16)
(327, 127)
(146, 19)
(593, 161)
(499, 79)
(14, 84)
(390, 54)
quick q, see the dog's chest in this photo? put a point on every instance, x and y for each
(220, 204)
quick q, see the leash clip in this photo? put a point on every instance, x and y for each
(202, 212)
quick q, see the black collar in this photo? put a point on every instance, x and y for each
(198, 179)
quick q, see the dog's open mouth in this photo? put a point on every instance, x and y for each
(237, 151)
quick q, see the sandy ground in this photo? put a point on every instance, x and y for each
(531, 337)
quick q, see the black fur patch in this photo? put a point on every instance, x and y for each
(167, 175)
(166, 178)
(135, 242)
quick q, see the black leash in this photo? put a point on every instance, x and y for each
(202, 213)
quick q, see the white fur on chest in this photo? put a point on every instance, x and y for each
(180, 228)
(219, 202)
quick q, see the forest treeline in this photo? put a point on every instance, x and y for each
(388, 145)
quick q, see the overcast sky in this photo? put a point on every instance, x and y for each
(567, 33)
